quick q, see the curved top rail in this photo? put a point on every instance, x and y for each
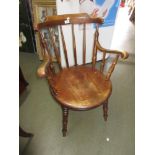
(79, 18)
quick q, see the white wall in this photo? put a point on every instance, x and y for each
(105, 38)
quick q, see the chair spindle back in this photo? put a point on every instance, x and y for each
(73, 19)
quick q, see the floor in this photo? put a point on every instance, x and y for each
(88, 134)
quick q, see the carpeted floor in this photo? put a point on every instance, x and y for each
(88, 134)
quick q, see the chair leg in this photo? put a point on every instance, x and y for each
(105, 110)
(64, 120)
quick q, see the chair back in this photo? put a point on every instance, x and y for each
(50, 42)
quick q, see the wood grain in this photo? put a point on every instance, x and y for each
(65, 112)
(56, 51)
(81, 87)
(74, 45)
(64, 47)
(84, 44)
(78, 87)
(80, 18)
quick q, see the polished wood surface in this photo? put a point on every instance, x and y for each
(42, 68)
(64, 47)
(105, 110)
(74, 45)
(56, 50)
(78, 87)
(80, 18)
(65, 112)
(84, 44)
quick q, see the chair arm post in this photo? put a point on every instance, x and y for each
(123, 54)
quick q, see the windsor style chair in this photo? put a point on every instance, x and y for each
(81, 86)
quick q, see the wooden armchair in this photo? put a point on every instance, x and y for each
(78, 87)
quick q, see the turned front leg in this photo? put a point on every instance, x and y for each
(105, 110)
(64, 120)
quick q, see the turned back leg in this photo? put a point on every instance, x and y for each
(105, 110)
(64, 120)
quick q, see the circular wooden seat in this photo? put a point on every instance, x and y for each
(80, 87)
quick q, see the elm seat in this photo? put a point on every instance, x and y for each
(77, 87)
(81, 87)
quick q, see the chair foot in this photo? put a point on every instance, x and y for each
(105, 110)
(64, 120)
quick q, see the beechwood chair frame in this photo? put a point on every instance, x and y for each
(47, 68)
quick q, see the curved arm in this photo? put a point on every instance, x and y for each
(42, 68)
(123, 54)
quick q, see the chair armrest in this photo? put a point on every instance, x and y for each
(123, 54)
(42, 68)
